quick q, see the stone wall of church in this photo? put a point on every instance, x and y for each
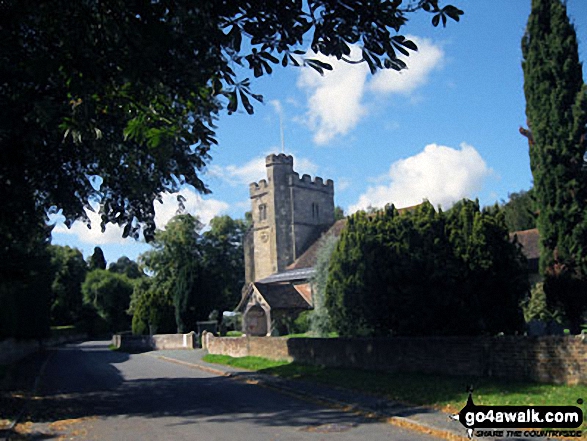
(289, 213)
(313, 210)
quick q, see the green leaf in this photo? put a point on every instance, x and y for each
(246, 102)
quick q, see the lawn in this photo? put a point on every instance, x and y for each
(251, 363)
(441, 392)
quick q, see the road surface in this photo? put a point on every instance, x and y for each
(89, 392)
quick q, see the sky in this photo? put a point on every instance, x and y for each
(444, 129)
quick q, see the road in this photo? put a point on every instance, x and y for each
(89, 392)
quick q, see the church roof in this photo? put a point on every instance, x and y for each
(530, 241)
(308, 258)
(290, 275)
(282, 296)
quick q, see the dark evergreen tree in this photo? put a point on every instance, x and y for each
(426, 273)
(97, 260)
(346, 294)
(520, 211)
(320, 323)
(25, 281)
(556, 109)
(492, 275)
(151, 308)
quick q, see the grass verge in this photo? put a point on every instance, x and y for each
(442, 392)
(250, 363)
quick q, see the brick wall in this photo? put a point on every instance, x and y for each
(544, 359)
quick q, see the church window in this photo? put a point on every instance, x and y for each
(262, 212)
(315, 211)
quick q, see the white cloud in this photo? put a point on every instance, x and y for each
(94, 235)
(205, 209)
(239, 175)
(276, 104)
(255, 170)
(194, 204)
(335, 103)
(420, 65)
(441, 174)
(342, 184)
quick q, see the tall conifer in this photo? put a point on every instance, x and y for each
(556, 108)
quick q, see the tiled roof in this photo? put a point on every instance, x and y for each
(530, 241)
(308, 258)
(282, 296)
(290, 275)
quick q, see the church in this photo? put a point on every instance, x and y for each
(289, 215)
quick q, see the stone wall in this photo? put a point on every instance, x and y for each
(274, 348)
(129, 342)
(543, 359)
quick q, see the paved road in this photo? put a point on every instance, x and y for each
(90, 392)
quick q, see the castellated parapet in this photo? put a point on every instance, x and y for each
(306, 182)
(289, 213)
(257, 188)
(281, 159)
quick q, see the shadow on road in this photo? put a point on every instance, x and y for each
(216, 399)
(90, 380)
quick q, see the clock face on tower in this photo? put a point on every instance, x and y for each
(264, 237)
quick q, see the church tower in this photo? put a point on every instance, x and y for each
(289, 214)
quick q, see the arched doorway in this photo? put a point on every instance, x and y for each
(255, 320)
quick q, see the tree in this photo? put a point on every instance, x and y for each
(492, 274)
(346, 295)
(556, 110)
(97, 260)
(127, 267)
(426, 272)
(177, 264)
(108, 105)
(320, 317)
(25, 278)
(69, 272)
(338, 213)
(132, 114)
(151, 308)
(223, 259)
(197, 273)
(520, 211)
(109, 294)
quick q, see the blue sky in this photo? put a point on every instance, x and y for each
(445, 129)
